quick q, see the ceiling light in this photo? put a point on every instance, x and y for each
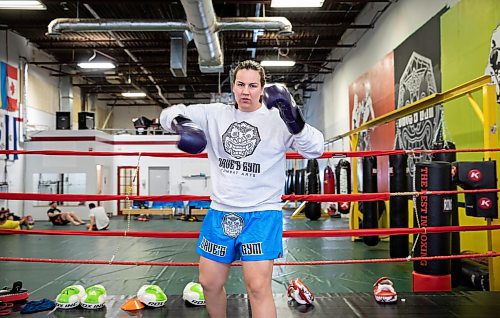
(278, 63)
(134, 94)
(96, 65)
(296, 3)
(22, 5)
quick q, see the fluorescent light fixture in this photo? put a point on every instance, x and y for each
(22, 5)
(296, 3)
(96, 65)
(134, 94)
(278, 63)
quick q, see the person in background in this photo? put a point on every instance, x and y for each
(57, 217)
(99, 220)
(7, 221)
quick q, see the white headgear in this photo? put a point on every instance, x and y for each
(193, 294)
(152, 295)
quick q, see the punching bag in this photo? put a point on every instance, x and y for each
(312, 210)
(291, 181)
(432, 210)
(287, 182)
(370, 208)
(456, 264)
(297, 183)
(398, 205)
(328, 181)
(343, 176)
(289, 186)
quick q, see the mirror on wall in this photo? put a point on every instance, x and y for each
(59, 183)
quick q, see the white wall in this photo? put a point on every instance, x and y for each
(39, 104)
(122, 116)
(396, 24)
(179, 167)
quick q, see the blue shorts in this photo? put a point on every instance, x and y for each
(247, 236)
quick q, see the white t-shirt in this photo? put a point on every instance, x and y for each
(246, 153)
(101, 218)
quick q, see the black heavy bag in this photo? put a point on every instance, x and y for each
(289, 185)
(433, 210)
(370, 208)
(398, 205)
(287, 175)
(302, 181)
(456, 264)
(297, 188)
(312, 210)
(343, 177)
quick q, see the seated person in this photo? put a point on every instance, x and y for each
(11, 216)
(57, 217)
(98, 218)
(7, 222)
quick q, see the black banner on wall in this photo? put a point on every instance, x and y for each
(417, 74)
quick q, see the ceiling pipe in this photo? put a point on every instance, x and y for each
(279, 24)
(201, 21)
(61, 25)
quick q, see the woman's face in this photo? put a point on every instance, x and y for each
(247, 90)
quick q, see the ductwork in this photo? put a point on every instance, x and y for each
(61, 25)
(201, 21)
(280, 24)
(178, 53)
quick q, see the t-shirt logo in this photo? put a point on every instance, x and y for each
(232, 224)
(240, 139)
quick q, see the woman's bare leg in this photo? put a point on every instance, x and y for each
(213, 275)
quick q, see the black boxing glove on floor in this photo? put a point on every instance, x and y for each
(278, 96)
(192, 138)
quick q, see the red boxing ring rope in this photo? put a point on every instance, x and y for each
(289, 155)
(183, 264)
(384, 196)
(292, 234)
(99, 197)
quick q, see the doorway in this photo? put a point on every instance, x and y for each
(159, 180)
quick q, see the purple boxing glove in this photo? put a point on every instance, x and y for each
(193, 139)
(278, 96)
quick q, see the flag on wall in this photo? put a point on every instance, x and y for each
(8, 87)
(12, 88)
(9, 135)
(3, 85)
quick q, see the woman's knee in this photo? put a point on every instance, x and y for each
(210, 282)
(258, 287)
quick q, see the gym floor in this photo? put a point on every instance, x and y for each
(45, 280)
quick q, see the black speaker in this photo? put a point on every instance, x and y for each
(63, 120)
(85, 120)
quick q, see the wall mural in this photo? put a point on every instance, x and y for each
(372, 95)
(409, 73)
(417, 67)
(493, 67)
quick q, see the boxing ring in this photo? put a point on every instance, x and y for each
(125, 257)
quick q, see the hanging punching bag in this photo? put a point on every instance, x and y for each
(312, 210)
(343, 176)
(398, 205)
(456, 264)
(370, 208)
(328, 181)
(432, 210)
